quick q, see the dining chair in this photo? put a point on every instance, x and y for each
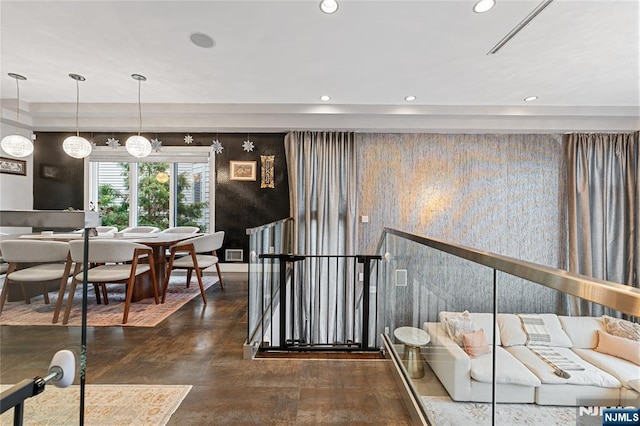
(106, 229)
(201, 253)
(112, 261)
(52, 258)
(141, 230)
(181, 230)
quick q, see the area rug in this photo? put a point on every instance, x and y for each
(144, 313)
(442, 410)
(111, 405)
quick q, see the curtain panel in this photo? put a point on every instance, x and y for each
(323, 194)
(603, 205)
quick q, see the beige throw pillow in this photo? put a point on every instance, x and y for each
(621, 328)
(619, 347)
(457, 324)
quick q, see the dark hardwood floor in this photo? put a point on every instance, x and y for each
(202, 346)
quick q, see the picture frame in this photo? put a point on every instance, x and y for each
(13, 167)
(266, 172)
(242, 170)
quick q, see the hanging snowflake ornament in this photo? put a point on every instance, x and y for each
(247, 145)
(113, 143)
(217, 146)
(188, 139)
(156, 145)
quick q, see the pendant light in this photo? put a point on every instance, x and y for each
(17, 145)
(77, 146)
(137, 145)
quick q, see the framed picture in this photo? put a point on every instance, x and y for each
(13, 166)
(242, 170)
(267, 177)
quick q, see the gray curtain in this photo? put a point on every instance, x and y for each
(603, 206)
(323, 193)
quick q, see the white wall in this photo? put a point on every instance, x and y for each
(16, 192)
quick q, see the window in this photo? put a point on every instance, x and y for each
(170, 188)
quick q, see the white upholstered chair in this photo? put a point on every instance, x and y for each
(141, 229)
(106, 257)
(106, 229)
(182, 230)
(52, 258)
(200, 254)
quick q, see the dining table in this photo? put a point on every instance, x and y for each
(159, 242)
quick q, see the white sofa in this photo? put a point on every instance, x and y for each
(521, 376)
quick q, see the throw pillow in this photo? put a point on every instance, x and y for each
(621, 328)
(475, 343)
(459, 325)
(619, 347)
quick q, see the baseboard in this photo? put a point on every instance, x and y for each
(234, 267)
(228, 267)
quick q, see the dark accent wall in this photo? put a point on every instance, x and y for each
(58, 179)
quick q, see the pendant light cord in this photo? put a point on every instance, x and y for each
(17, 106)
(139, 108)
(77, 108)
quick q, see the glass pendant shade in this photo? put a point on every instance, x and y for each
(16, 146)
(77, 147)
(138, 146)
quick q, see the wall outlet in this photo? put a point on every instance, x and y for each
(364, 219)
(386, 331)
(360, 277)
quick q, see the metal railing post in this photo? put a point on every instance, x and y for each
(366, 261)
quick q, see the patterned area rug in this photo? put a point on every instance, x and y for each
(144, 313)
(443, 411)
(111, 405)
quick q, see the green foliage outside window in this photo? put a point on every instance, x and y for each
(153, 200)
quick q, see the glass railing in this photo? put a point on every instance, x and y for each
(276, 237)
(469, 329)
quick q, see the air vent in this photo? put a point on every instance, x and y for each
(233, 255)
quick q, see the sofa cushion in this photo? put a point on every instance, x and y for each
(508, 370)
(621, 328)
(484, 320)
(582, 331)
(626, 372)
(619, 347)
(589, 376)
(512, 333)
(475, 344)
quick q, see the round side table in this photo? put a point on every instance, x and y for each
(413, 339)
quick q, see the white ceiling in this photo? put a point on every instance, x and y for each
(273, 59)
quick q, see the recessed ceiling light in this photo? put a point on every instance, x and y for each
(530, 98)
(410, 98)
(483, 6)
(325, 98)
(329, 6)
(202, 40)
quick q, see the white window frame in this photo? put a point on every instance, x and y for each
(169, 154)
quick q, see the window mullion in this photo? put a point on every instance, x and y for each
(133, 194)
(173, 184)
